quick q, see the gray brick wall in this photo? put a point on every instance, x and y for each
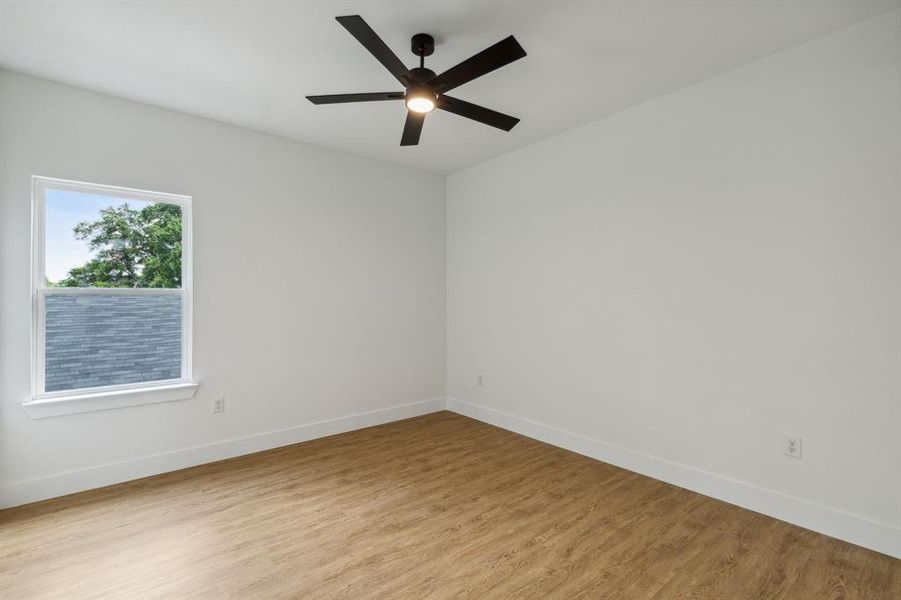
(103, 340)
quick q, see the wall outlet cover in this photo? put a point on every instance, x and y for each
(791, 446)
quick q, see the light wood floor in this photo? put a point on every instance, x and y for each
(435, 507)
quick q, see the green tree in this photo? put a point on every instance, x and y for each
(134, 248)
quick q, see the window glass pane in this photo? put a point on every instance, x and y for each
(97, 240)
(111, 339)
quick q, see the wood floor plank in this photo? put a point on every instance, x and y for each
(436, 507)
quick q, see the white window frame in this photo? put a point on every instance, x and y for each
(43, 403)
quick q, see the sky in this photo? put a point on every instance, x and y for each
(66, 209)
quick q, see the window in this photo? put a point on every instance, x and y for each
(112, 297)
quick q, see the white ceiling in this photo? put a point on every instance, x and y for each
(252, 63)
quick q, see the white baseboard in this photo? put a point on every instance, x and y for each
(32, 490)
(881, 537)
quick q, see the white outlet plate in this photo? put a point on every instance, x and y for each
(480, 379)
(791, 446)
(219, 404)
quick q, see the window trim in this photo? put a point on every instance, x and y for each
(43, 403)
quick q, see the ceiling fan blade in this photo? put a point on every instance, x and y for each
(337, 98)
(477, 113)
(412, 128)
(494, 57)
(372, 42)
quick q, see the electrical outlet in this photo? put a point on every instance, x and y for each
(480, 379)
(219, 404)
(791, 446)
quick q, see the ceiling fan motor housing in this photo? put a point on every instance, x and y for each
(422, 74)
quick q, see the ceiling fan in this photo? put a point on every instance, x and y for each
(425, 91)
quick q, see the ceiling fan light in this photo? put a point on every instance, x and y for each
(421, 104)
(420, 99)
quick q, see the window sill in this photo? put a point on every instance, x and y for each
(39, 408)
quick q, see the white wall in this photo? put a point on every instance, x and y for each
(677, 286)
(319, 287)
